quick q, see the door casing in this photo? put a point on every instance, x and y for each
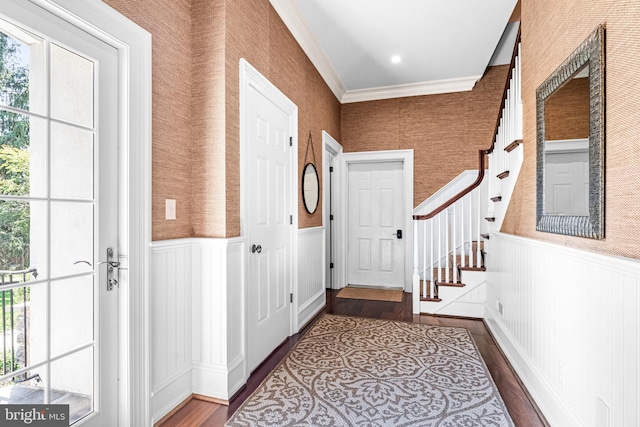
(331, 149)
(341, 201)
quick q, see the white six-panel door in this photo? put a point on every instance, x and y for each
(567, 184)
(269, 226)
(375, 215)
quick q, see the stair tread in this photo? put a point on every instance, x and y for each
(485, 236)
(451, 284)
(490, 218)
(496, 199)
(473, 268)
(509, 148)
(429, 297)
(503, 175)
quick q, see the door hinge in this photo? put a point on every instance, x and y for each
(330, 265)
(290, 297)
(290, 141)
(331, 217)
(330, 168)
(290, 219)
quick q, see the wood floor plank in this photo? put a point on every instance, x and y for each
(193, 414)
(521, 409)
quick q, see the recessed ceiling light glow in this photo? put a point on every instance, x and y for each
(396, 59)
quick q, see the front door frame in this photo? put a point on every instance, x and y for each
(342, 204)
(134, 183)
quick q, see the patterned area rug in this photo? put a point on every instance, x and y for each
(350, 371)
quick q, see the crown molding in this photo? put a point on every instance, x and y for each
(413, 89)
(296, 23)
(299, 28)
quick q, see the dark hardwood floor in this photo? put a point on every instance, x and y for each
(197, 413)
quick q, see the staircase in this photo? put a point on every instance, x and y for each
(452, 229)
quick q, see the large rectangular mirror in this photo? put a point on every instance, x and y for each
(570, 144)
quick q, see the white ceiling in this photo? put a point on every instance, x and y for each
(444, 45)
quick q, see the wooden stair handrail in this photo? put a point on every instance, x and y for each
(461, 194)
(512, 65)
(481, 153)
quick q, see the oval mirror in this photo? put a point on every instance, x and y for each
(310, 188)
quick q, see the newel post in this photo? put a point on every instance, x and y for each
(416, 267)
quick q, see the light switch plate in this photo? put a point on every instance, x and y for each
(170, 209)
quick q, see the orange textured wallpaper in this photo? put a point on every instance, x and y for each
(445, 131)
(169, 22)
(255, 32)
(197, 45)
(208, 92)
(566, 111)
(551, 30)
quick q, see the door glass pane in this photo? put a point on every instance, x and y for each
(72, 383)
(71, 310)
(71, 162)
(22, 155)
(36, 347)
(21, 64)
(23, 237)
(71, 238)
(71, 87)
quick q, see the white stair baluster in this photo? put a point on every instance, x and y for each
(447, 236)
(425, 274)
(463, 250)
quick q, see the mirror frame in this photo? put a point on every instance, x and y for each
(309, 207)
(591, 52)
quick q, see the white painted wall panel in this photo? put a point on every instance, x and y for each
(311, 281)
(171, 324)
(570, 326)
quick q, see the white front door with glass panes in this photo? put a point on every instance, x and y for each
(58, 215)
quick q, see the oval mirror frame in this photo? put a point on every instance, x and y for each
(310, 187)
(591, 53)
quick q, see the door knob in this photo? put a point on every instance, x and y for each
(399, 234)
(256, 248)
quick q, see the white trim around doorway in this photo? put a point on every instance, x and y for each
(331, 148)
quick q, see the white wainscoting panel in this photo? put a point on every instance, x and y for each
(197, 320)
(219, 367)
(568, 321)
(171, 324)
(311, 293)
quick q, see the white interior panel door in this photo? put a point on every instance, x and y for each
(567, 184)
(64, 131)
(375, 221)
(269, 227)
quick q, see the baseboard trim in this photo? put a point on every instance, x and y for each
(174, 411)
(537, 387)
(515, 374)
(210, 399)
(450, 316)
